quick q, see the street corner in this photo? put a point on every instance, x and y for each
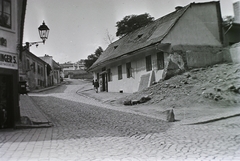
(26, 122)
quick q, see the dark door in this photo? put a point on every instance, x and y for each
(106, 84)
(6, 103)
(103, 82)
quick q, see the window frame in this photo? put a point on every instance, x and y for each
(120, 72)
(28, 64)
(3, 13)
(41, 70)
(109, 75)
(148, 63)
(160, 60)
(38, 69)
(129, 70)
(34, 67)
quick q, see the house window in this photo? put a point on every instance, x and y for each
(28, 64)
(160, 60)
(129, 70)
(109, 74)
(119, 72)
(5, 13)
(97, 76)
(39, 72)
(34, 67)
(148, 63)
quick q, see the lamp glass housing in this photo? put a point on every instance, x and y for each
(43, 31)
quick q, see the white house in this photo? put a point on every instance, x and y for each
(191, 36)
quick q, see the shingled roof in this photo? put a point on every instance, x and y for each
(145, 36)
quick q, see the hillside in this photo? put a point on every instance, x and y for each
(217, 85)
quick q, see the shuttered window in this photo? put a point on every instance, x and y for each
(148, 63)
(129, 70)
(119, 72)
(160, 60)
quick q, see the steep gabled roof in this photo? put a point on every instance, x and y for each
(142, 37)
(56, 65)
(27, 52)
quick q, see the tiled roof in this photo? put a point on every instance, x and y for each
(56, 65)
(142, 37)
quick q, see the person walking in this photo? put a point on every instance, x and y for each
(93, 84)
(96, 85)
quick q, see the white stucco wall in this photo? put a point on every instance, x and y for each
(138, 64)
(128, 85)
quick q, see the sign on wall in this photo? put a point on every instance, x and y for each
(8, 61)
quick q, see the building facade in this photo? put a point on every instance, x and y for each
(232, 29)
(55, 74)
(12, 14)
(33, 70)
(75, 70)
(73, 66)
(171, 44)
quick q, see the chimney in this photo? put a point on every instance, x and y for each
(178, 8)
(236, 10)
(27, 47)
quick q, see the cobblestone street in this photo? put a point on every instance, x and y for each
(85, 129)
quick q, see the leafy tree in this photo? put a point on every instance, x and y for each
(132, 22)
(93, 57)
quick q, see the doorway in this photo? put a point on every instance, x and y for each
(6, 103)
(103, 82)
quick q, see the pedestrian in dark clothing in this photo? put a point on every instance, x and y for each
(93, 84)
(96, 85)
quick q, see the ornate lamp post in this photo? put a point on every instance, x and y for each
(43, 33)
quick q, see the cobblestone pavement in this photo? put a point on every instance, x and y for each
(84, 130)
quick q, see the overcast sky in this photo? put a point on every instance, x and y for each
(79, 27)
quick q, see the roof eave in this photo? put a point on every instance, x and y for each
(127, 54)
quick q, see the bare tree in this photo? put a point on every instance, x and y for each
(109, 38)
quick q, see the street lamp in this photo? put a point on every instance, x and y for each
(43, 33)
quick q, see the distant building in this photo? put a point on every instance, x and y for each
(236, 10)
(75, 70)
(55, 75)
(73, 66)
(33, 70)
(232, 30)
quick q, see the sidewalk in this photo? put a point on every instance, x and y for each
(31, 116)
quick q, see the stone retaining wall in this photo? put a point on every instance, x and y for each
(183, 57)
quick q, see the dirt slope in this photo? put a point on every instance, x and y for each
(217, 85)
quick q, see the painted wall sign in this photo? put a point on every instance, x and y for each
(8, 61)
